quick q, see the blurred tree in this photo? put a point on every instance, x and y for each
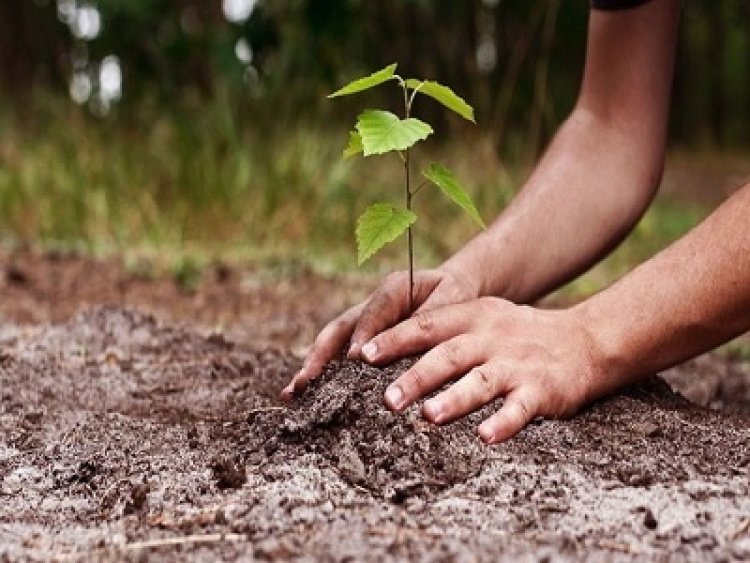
(33, 45)
(518, 62)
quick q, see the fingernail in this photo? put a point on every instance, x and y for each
(486, 433)
(370, 351)
(350, 353)
(433, 411)
(394, 397)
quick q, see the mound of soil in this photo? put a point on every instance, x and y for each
(122, 437)
(341, 418)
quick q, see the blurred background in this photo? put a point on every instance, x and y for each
(201, 128)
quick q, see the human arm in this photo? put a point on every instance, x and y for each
(589, 189)
(690, 298)
(686, 300)
(601, 170)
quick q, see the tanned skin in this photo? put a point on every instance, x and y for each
(593, 184)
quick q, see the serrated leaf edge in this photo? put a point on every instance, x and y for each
(472, 210)
(388, 73)
(367, 152)
(363, 257)
(417, 84)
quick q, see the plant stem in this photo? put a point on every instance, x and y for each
(409, 234)
(409, 194)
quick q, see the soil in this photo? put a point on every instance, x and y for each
(132, 429)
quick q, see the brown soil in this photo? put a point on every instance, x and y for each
(130, 436)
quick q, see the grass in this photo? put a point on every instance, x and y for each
(199, 183)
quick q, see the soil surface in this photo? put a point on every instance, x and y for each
(132, 428)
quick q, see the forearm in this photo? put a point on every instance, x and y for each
(585, 195)
(686, 300)
(601, 170)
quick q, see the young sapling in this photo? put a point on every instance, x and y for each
(379, 132)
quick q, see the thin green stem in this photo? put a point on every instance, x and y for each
(414, 95)
(409, 234)
(409, 194)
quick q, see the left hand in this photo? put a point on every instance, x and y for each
(541, 361)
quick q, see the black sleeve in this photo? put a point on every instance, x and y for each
(615, 4)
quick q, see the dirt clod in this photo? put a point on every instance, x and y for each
(649, 520)
(228, 474)
(341, 417)
(138, 499)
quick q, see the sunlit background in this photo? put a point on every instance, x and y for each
(202, 127)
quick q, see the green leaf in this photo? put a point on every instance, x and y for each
(380, 224)
(382, 131)
(354, 146)
(362, 84)
(444, 179)
(444, 95)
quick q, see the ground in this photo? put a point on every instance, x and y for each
(139, 418)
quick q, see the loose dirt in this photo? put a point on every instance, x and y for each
(131, 435)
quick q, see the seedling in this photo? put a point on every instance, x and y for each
(379, 132)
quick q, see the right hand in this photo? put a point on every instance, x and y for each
(384, 308)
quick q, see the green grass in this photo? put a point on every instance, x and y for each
(199, 183)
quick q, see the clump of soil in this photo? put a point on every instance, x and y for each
(229, 474)
(341, 417)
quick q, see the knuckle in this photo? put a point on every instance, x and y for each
(415, 381)
(523, 407)
(563, 403)
(425, 321)
(486, 383)
(451, 354)
(384, 300)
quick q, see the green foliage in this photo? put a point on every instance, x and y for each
(444, 95)
(382, 132)
(444, 179)
(209, 187)
(362, 84)
(379, 132)
(380, 224)
(355, 145)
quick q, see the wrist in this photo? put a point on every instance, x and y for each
(475, 264)
(608, 347)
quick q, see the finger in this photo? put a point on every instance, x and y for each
(443, 295)
(520, 408)
(422, 331)
(438, 366)
(482, 384)
(388, 305)
(328, 343)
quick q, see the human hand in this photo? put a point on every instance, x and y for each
(543, 363)
(384, 308)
